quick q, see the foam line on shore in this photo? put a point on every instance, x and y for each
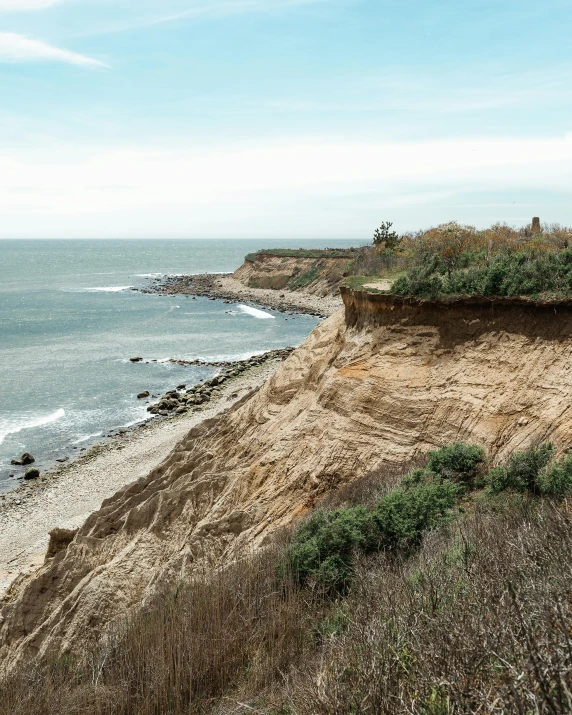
(255, 312)
(40, 421)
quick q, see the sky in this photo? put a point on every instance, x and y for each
(281, 118)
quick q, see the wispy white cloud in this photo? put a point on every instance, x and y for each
(223, 8)
(19, 48)
(307, 187)
(24, 5)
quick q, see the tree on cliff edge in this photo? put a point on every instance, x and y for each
(383, 236)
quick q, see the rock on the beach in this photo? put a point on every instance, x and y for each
(16, 462)
(32, 473)
(143, 394)
(135, 359)
(27, 458)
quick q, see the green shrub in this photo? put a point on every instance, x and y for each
(523, 471)
(324, 546)
(506, 274)
(556, 479)
(403, 515)
(458, 462)
(418, 281)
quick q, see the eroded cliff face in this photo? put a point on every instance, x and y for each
(381, 382)
(317, 276)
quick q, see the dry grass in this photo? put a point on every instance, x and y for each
(478, 621)
(452, 240)
(241, 626)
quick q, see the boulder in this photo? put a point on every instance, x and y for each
(16, 462)
(32, 473)
(143, 394)
(135, 359)
(27, 458)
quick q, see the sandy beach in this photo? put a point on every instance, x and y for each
(70, 494)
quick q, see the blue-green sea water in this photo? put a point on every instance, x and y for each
(69, 324)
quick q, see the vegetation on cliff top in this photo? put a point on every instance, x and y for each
(448, 592)
(450, 259)
(453, 259)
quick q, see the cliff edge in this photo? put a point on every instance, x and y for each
(382, 380)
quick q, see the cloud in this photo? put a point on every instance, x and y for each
(19, 48)
(290, 187)
(23, 5)
(222, 8)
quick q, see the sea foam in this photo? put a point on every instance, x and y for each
(19, 425)
(256, 313)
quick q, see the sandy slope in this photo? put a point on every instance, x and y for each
(67, 500)
(381, 383)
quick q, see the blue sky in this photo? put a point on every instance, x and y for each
(281, 118)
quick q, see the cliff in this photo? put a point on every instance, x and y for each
(380, 381)
(315, 272)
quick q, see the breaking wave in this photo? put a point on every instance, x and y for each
(19, 425)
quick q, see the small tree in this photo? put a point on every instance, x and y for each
(383, 235)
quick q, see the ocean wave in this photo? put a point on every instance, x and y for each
(255, 312)
(98, 289)
(227, 357)
(140, 421)
(107, 289)
(19, 425)
(85, 437)
(149, 275)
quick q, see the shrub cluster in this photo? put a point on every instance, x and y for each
(506, 274)
(533, 471)
(324, 548)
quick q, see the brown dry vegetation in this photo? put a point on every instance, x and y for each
(477, 621)
(452, 240)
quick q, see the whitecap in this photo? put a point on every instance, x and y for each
(22, 424)
(108, 289)
(140, 421)
(149, 275)
(85, 437)
(255, 312)
(98, 289)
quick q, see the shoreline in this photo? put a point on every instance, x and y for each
(66, 494)
(222, 286)
(70, 493)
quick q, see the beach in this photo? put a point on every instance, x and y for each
(71, 493)
(224, 287)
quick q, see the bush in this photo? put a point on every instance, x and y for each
(324, 546)
(458, 462)
(556, 479)
(418, 282)
(403, 515)
(523, 471)
(528, 273)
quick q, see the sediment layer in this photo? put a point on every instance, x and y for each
(381, 381)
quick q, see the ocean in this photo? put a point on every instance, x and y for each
(69, 322)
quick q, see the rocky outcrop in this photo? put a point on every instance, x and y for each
(380, 382)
